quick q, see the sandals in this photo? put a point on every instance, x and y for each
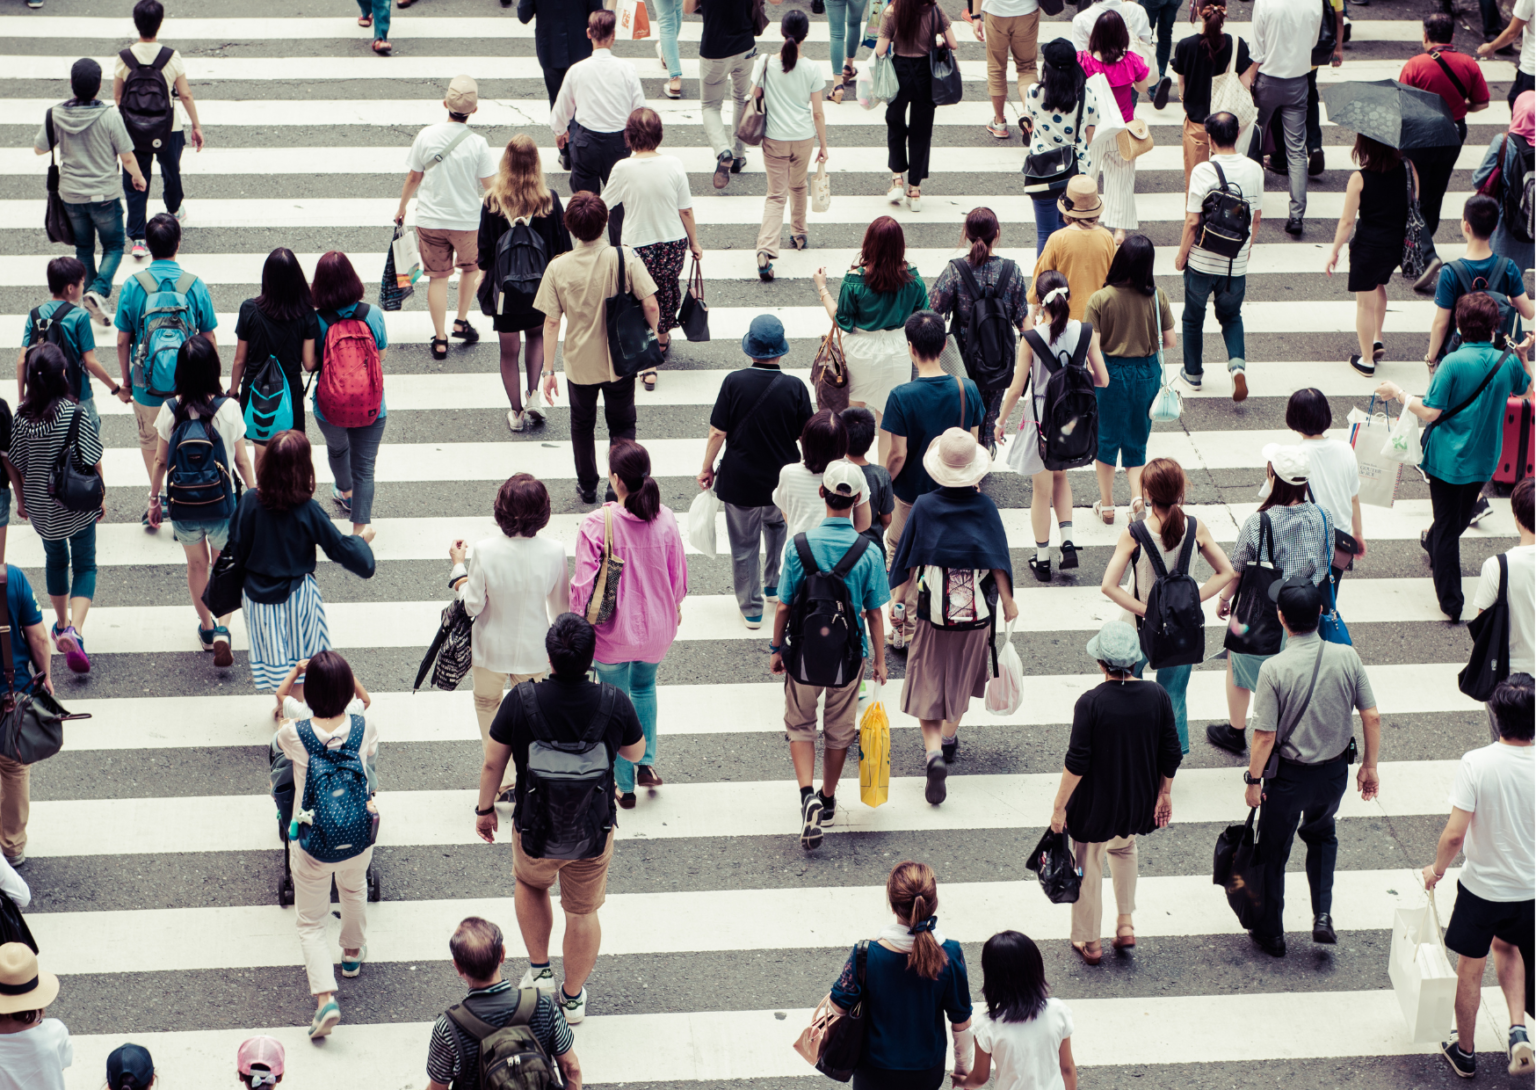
(1138, 509)
(798, 242)
(672, 92)
(1081, 949)
(365, 20)
(1125, 937)
(648, 379)
(464, 331)
(439, 348)
(382, 48)
(1107, 513)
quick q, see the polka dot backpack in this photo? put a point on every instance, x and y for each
(333, 822)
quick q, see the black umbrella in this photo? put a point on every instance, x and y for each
(1392, 113)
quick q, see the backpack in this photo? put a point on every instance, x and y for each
(164, 327)
(1173, 629)
(1069, 418)
(50, 330)
(351, 385)
(521, 258)
(1518, 201)
(1509, 317)
(511, 1057)
(198, 481)
(146, 103)
(1226, 221)
(269, 403)
(567, 808)
(967, 598)
(988, 341)
(333, 822)
(822, 643)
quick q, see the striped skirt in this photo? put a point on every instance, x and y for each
(284, 633)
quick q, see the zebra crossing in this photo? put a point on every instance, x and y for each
(152, 856)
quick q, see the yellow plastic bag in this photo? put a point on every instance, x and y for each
(874, 754)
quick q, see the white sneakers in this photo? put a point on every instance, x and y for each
(575, 1010)
(542, 979)
(96, 307)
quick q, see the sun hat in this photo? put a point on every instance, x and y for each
(24, 986)
(1116, 646)
(463, 95)
(844, 478)
(1081, 201)
(765, 338)
(1292, 463)
(264, 1052)
(955, 459)
(130, 1066)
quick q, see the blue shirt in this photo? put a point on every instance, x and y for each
(905, 1012)
(22, 604)
(1465, 449)
(374, 320)
(866, 582)
(1500, 274)
(130, 309)
(78, 333)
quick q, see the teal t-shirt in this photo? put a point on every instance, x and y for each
(130, 309)
(374, 320)
(1465, 448)
(77, 333)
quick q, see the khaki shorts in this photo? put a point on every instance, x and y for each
(144, 416)
(439, 246)
(583, 882)
(839, 723)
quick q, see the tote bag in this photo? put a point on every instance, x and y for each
(1254, 628)
(55, 218)
(605, 592)
(945, 76)
(829, 372)
(632, 344)
(693, 314)
(1489, 662)
(1228, 94)
(1421, 972)
(633, 21)
(1378, 475)
(821, 189)
(1413, 263)
(875, 753)
(753, 125)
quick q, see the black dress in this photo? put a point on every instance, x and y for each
(1377, 247)
(557, 240)
(285, 340)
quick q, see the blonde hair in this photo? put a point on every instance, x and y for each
(519, 188)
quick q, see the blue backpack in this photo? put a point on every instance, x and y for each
(164, 327)
(333, 822)
(269, 405)
(198, 482)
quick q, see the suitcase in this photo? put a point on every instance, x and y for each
(1516, 457)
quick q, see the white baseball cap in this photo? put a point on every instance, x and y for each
(843, 478)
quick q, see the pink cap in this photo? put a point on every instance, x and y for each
(267, 1051)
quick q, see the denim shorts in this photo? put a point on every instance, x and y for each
(195, 531)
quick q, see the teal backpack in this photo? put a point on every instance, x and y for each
(164, 327)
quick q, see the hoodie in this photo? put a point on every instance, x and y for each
(91, 137)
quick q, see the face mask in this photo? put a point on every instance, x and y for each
(1266, 488)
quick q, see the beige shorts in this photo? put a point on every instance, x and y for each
(583, 882)
(439, 246)
(144, 416)
(840, 725)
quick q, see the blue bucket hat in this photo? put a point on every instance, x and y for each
(1116, 645)
(765, 338)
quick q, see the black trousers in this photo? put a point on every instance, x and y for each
(554, 78)
(592, 157)
(908, 143)
(1523, 82)
(1452, 505)
(1308, 796)
(618, 411)
(1435, 166)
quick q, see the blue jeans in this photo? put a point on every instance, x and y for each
(669, 15)
(169, 158)
(77, 552)
(638, 680)
(1198, 287)
(92, 218)
(845, 29)
(1175, 682)
(379, 9)
(352, 453)
(1161, 14)
(1048, 218)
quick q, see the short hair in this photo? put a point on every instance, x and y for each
(1481, 213)
(336, 283)
(570, 644)
(328, 684)
(925, 333)
(147, 16)
(62, 272)
(199, 377)
(1521, 503)
(1513, 706)
(1439, 27)
(85, 79)
(859, 422)
(602, 24)
(522, 505)
(585, 213)
(823, 440)
(642, 132)
(285, 477)
(1477, 316)
(1222, 127)
(1308, 412)
(477, 948)
(837, 501)
(1302, 608)
(162, 234)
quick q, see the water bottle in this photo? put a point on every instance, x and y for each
(898, 614)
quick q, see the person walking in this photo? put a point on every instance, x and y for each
(647, 603)
(34, 1049)
(130, 1067)
(259, 1062)
(1507, 155)
(1081, 251)
(909, 30)
(1162, 14)
(1493, 801)
(1284, 32)
(792, 98)
(669, 17)
(31, 663)
(823, 441)
(1133, 323)
(279, 324)
(1025, 1031)
(1062, 83)
(1478, 268)
(1197, 60)
(1502, 43)
(726, 49)
(91, 140)
(375, 14)
(560, 41)
(845, 32)
(1302, 708)
(570, 710)
(657, 221)
(1333, 477)
(1207, 275)
(1109, 54)
(860, 425)
(757, 416)
(878, 294)
(1006, 26)
(1116, 784)
(576, 287)
(448, 169)
(913, 979)
(66, 285)
(1521, 562)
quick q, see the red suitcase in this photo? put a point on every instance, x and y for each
(1516, 458)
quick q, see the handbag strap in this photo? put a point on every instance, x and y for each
(1232, 60)
(1477, 393)
(1301, 709)
(607, 533)
(1450, 75)
(960, 382)
(67, 451)
(696, 280)
(53, 137)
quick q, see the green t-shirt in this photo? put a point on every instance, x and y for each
(859, 307)
(1465, 448)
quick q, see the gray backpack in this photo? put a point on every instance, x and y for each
(567, 808)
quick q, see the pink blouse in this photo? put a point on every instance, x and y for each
(651, 589)
(1128, 70)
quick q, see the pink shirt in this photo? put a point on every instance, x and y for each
(1121, 75)
(653, 586)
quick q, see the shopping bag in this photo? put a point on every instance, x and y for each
(1378, 475)
(874, 753)
(1421, 973)
(407, 258)
(633, 22)
(1060, 876)
(693, 314)
(1005, 691)
(864, 88)
(872, 28)
(1402, 444)
(701, 521)
(821, 189)
(885, 86)
(391, 294)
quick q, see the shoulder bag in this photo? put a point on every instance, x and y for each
(1414, 229)
(829, 372)
(450, 654)
(1048, 170)
(13, 925)
(833, 1042)
(1240, 872)
(632, 344)
(1272, 766)
(1168, 405)
(73, 488)
(55, 218)
(1253, 628)
(693, 314)
(31, 724)
(605, 591)
(226, 581)
(753, 125)
(1489, 662)
(1228, 94)
(1327, 37)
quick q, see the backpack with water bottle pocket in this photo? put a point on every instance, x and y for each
(165, 324)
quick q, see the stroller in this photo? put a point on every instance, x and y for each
(281, 776)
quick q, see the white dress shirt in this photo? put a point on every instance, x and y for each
(516, 587)
(1135, 17)
(1284, 32)
(600, 93)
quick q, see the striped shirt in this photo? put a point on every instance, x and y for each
(443, 1063)
(1300, 538)
(34, 446)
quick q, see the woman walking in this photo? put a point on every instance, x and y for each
(278, 324)
(647, 598)
(658, 217)
(1197, 60)
(1050, 122)
(909, 30)
(519, 193)
(845, 31)
(1333, 477)
(1506, 153)
(669, 16)
(823, 440)
(375, 14)
(877, 297)
(792, 96)
(1024, 1033)
(1110, 54)
(914, 978)
(44, 422)
(1133, 324)
(1116, 784)
(34, 1049)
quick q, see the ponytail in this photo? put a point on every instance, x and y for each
(914, 897)
(789, 54)
(643, 502)
(1215, 16)
(981, 232)
(794, 26)
(1060, 306)
(927, 958)
(630, 462)
(1163, 482)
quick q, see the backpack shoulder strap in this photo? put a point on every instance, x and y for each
(361, 313)
(963, 270)
(1143, 537)
(35, 318)
(129, 60)
(184, 283)
(357, 726)
(1221, 177)
(960, 385)
(331, 318)
(527, 1003)
(9, 664)
(607, 699)
(477, 1028)
(307, 736)
(531, 713)
(1187, 553)
(66, 308)
(1084, 342)
(803, 551)
(1005, 277)
(850, 558)
(147, 281)
(1463, 274)
(162, 58)
(1042, 351)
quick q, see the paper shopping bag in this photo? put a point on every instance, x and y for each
(633, 21)
(1421, 973)
(407, 258)
(874, 753)
(1378, 475)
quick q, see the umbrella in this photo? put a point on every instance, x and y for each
(1392, 113)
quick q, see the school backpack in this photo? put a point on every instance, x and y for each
(957, 598)
(164, 326)
(333, 822)
(822, 641)
(351, 384)
(198, 481)
(1519, 197)
(146, 103)
(269, 405)
(521, 258)
(567, 809)
(50, 330)
(511, 1057)
(1509, 317)
(988, 341)
(1069, 416)
(1173, 628)
(1226, 221)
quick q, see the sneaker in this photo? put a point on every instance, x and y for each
(17, 861)
(723, 170)
(140, 251)
(1239, 372)
(772, 593)
(324, 1021)
(1160, 95)
(935, 791)
(999, 129)
(204, 637)
(828, 808)
(181, 214)
(517, 420)
(341, 501)
(1463, 1063)
(753, 621)
(810, 822)
(96, 306)
(1365, 367)
(222, 656)
(574, 1009)
(1521, 1060)
(1482, 510)
(1222, 736)
(950, 748)
(542, 978)
(1192, 381)
(1068, 555)
(351, 966)
(72, 647)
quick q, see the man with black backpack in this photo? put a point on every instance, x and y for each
(831, 575)
(1477, 269)
(62, 321)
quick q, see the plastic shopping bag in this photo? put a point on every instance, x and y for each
(1421, 973)
(407, 258)
(874, 753)
(1378, 475)
(1402, 443)
(885, 86)
(701, 521)
(1005, 692)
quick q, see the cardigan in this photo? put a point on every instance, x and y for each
(1123, 742)
(277, 548)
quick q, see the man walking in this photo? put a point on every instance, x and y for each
(1284, 32)
(1302, 709)
(1477, 269)
(1207, 274)
(1006, 26)
(560, 40)
(589, 114)
(758, 416)
(555, 836)
(726, 50)
(1493, 819)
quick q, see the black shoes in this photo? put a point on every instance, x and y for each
(738, 164)
(1273, 946)
(1463, 1063)
(1160, 95)
(1364, 366)
(1482, 510)
(646, 776)
(935, 791)
(1222, 736)
(950, 748)
(1293, 226)
(1315, 162)
(1042, 568)
(828, 808)
(1068, 555)
(586, 495)
(1322, 929)
(464, 331)
(810, 821)
(627, 800)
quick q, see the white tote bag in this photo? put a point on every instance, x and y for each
(701, 521)
(1402, 443)
(1005, 692)
(1421, 972)
(407, 258)
(1229, 94)
(1378, 475)
(821, 189)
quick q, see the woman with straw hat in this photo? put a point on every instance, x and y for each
(34, 1050)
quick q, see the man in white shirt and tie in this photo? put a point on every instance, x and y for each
(1284, 32)
(593, 105)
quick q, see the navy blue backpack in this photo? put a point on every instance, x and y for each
(199, 483)
(333, 822)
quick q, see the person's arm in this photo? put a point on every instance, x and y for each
(570, 1067)
(1023, 366)
(1367, 778)
(551, 340)
(632, 752)
(157, 480)
(563, 112)
(1346, 219)
(1357, 523)
(42, 656)
(1439, 326)
(236, 369)
(1005, 593)
(117, 90)
(1114, 572)
(706, 476)
(14, 885)
(1259, 749)
(861, 516)
(1338, 37)
(407, 191)
(1068, 1067)
(1415, 405)
(981, 1066)
(1523, 305)
(184, 92)
(91, 364)
(131, 165)
(243, 464)
(1171, 332)
(819, 278)
(818, 116)
(491, 772)
(1221, 568)
(1509, 34)
(896, 455)
(691, 229)
(652, 312)
(1187, 240)
(1069, 782)
(780, 623)
(1451, 839)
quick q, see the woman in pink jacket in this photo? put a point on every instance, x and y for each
(647, 597)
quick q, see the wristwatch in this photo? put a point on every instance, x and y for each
(1252, 781)
(775, 648)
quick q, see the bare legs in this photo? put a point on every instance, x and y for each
(1370, 316)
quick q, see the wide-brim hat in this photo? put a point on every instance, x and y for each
(24, 986)
(764, 339)
(1116, 645)
(1081, 200)
(955, 459)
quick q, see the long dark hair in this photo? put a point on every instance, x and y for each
(631, 464)
(199, 377)
(1132, 265)
(1013, 977)
(909, 18)
(1060, 308)
(47, 383)
(1110, 40)
(1373, 155)
(794, 26)
(284, 291)
(883, 255)
(1061, 86)
(1213, 17)
(1283, 493)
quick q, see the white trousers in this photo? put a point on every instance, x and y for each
(1119, 191)
(312, 902)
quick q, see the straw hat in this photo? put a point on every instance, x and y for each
(955, 459)
(1081, 201)
(23, 986)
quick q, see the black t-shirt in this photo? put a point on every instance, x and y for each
(727, 28)
(265, 337)
(761, 441)
(1191, 61)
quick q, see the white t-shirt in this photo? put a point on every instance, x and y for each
(450, 195)
(1497, 786)
(1026, 1055)
(288, 741)
(1334, 476)
(35, 1058)
(799, 497)
(227, 422)
(14, 885)
(1522, 599)
(1006, 9)
(787, 97)
(1245, 178)
(1525, 9)
(1134, 15)
(653, 189)
(146, 52)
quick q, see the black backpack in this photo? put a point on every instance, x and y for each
(1466, 283)
(1069, 420)
(988, 341)
(1226, 221)
(1173, 629)
(567, 806)
(822, 645)
(521, 258)
(146, 102)
(50, 330)
(1519, 194)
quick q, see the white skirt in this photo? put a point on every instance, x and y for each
(878, 362)
(1119, 191)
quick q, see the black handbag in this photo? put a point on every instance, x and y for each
(226, 581)
(1053, 861)
(945, 72)
(55, 219)
(1327, 37)
(632, 343)
(1255, 626)
(843, 1049)
(1045, 171)
(31, 724)
(1489, 662)
(693, 314)
(13, 925)
(73, 488)
(1238, 870)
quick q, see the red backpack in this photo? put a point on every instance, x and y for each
(351, 384)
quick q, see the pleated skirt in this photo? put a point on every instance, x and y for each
(284, 633)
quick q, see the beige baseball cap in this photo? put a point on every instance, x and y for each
(463, 95)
